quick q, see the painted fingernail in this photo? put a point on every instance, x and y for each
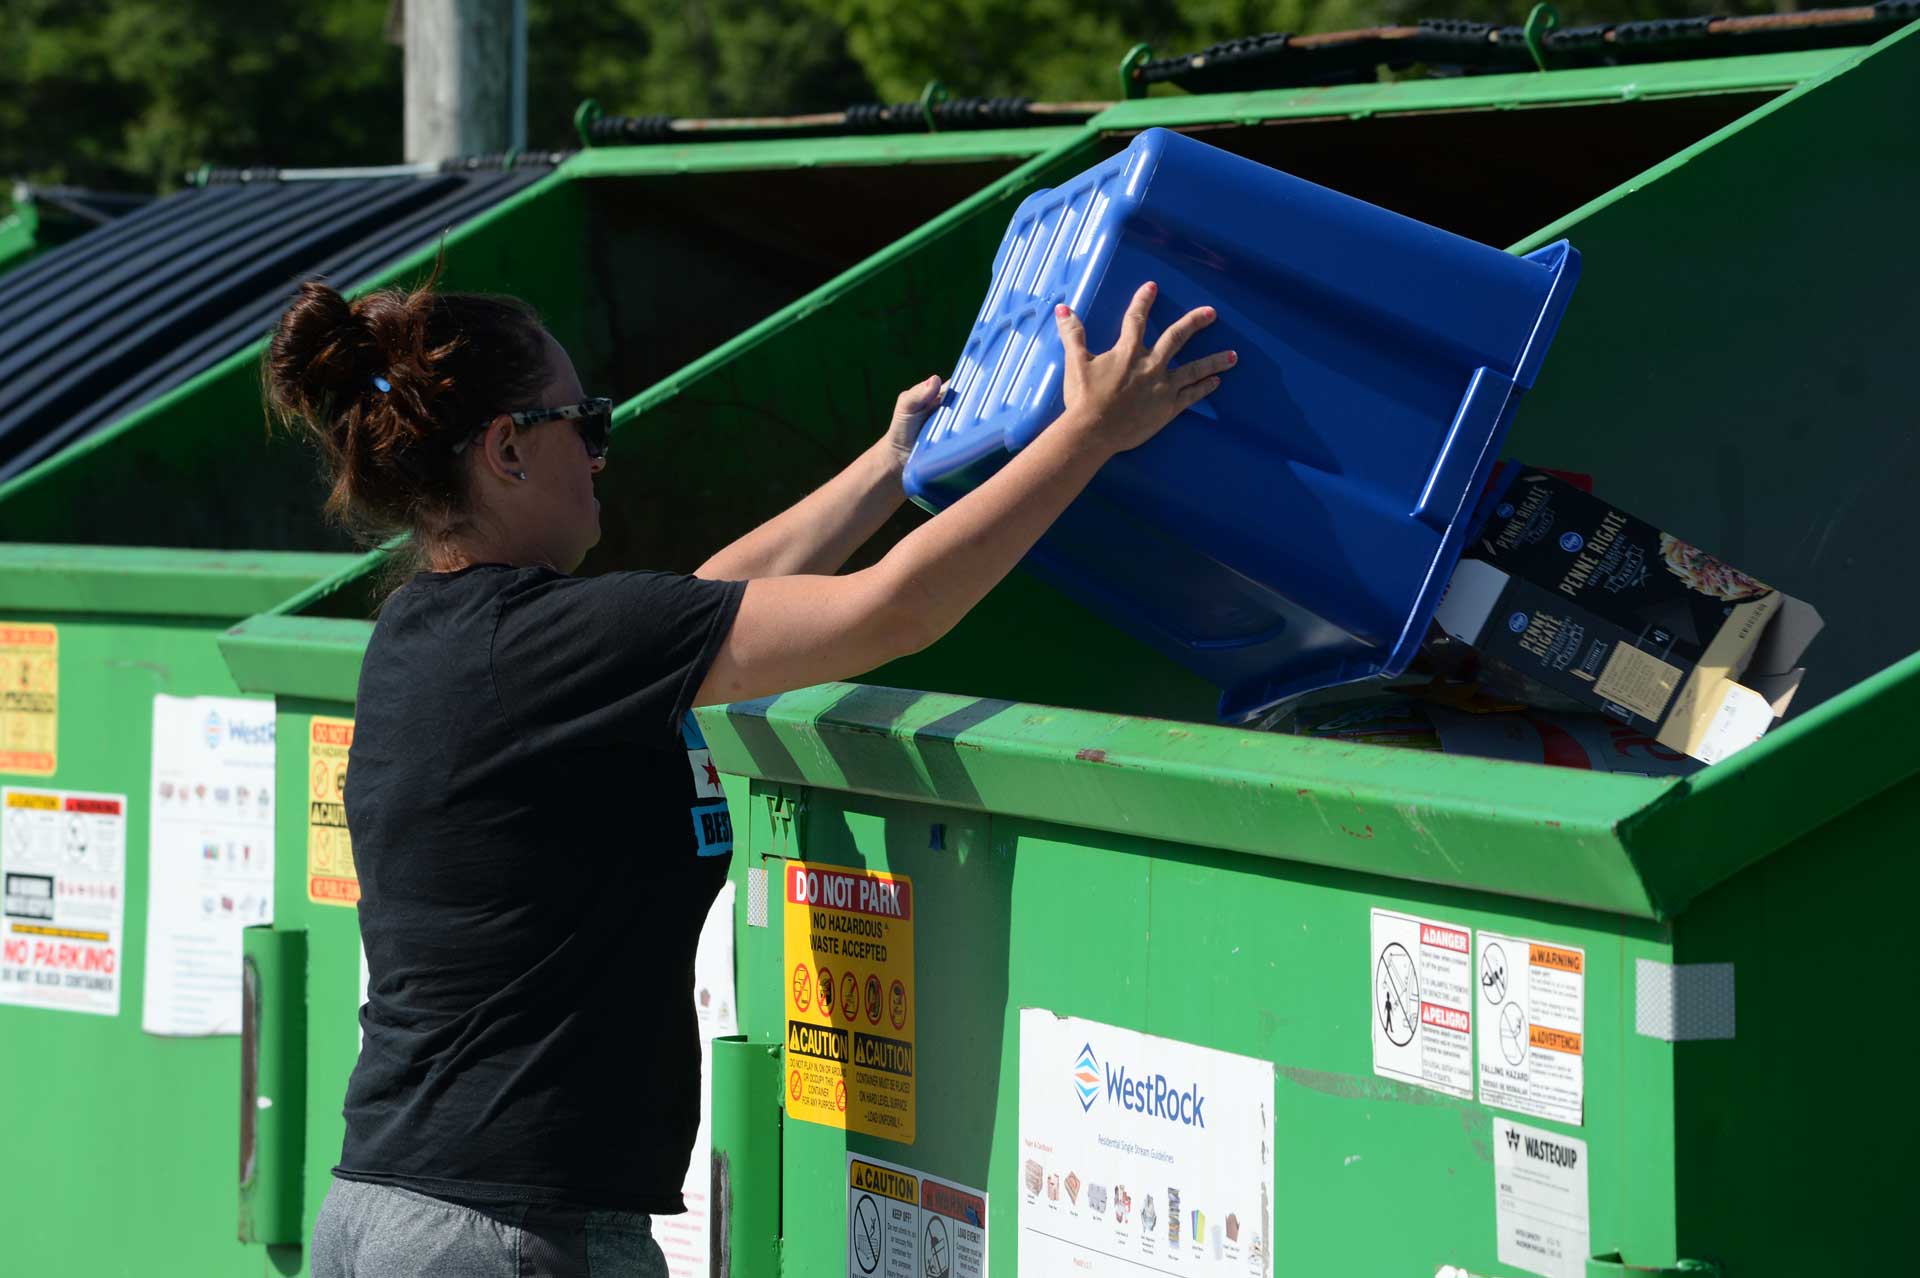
(1063, 310)
(1151, 287)
(1233, 357)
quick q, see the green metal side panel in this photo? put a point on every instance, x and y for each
(720, 157)
(1736, 365)
(19, 235)
(1556, 88)
(1794, 1135)
(1243, 955)
(127, 1144)
(137, 580)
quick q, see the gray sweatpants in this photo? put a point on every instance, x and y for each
(383, 1231)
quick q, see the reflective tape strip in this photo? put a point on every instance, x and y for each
(1683, 1002)
(756, 897)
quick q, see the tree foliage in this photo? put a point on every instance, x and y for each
(131, 94)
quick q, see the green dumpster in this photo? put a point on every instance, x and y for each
(116, 704)
(1081, 849)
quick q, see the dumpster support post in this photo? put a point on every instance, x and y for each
(273, 1084)
(744, 1204)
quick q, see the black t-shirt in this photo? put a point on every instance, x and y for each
(539, 834)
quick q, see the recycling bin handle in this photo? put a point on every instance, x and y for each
(744, 1203)
(273, 1084)
(1478, 417)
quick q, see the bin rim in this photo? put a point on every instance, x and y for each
(154, 581)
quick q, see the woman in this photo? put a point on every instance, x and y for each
(537, 834)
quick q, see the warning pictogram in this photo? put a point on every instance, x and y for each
(826, 993)
(849, 997)
(902, 1223)
(802, 986)
(793, 1084)
(840, 1096)
(897, 1005)
(873, 999)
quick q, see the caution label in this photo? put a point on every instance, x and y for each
(1422, 1002)
(1532, 1027)
(63, 864)
(850, 999)
(29, 698)
(903, 1224)
(331, 878)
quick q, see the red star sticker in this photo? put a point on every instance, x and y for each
(713, 774)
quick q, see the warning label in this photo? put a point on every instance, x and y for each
(1532, 1018)
(902, 1224)
(29, 698)
(63, 862)
(1422, 1002)
(849, 963)
(331, 878)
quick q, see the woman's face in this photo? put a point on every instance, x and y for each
(555, 506)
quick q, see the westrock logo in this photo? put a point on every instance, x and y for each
(1086, 1078)
(215, 728)
(1151, 1095)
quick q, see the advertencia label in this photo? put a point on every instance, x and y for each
(29, 698)
(850, 999)
(1422, 1002)
(63, 864)
(1141, 1154)
(904, 1224)
(1532, 1022)
(331, 878)
(1540, 1200)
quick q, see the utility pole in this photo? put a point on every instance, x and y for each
(466, 78)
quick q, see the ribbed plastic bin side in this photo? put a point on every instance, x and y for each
(1296, 529)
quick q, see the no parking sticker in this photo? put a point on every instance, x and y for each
(903, 1224)
(850, 999)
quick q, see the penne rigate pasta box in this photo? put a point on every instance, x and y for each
(1563, 593)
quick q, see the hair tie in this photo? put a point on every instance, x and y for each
(381, 384)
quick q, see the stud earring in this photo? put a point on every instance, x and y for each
(519, 474)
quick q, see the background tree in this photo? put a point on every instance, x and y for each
(132, 94)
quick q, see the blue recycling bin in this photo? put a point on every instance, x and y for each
(1296, 529)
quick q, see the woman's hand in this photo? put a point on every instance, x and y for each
(910, 409)
(1122, 397)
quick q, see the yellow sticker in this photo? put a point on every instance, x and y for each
(850, 999)
(29, 698)
(331, 878)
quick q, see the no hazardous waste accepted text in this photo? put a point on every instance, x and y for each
(850, 999)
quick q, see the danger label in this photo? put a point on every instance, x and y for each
(1532, 999)
(331, 877)
(850, 1000)
(29, 698)
(1422, 1002)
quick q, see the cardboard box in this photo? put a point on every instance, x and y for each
(1609, 612)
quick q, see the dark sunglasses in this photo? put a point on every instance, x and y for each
(593, 418)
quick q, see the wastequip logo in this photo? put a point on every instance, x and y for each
(1150, 1094)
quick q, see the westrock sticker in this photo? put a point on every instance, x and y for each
(850, 999)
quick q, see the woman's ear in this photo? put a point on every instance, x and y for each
(500, 450)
